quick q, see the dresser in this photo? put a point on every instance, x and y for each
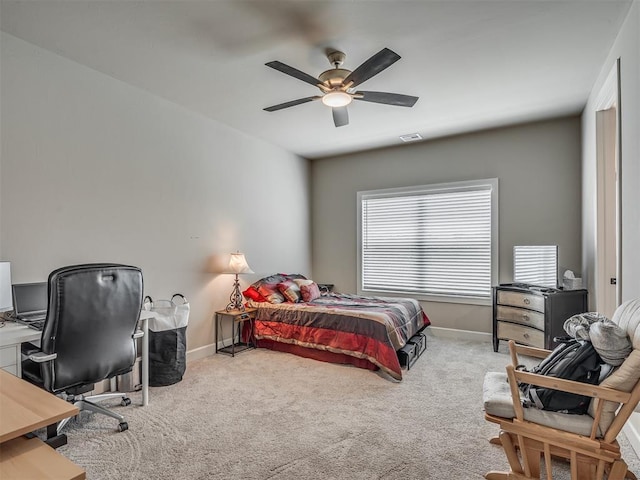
(532, 315)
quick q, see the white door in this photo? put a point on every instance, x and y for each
(608, 209)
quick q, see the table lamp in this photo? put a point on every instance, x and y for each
(237, 265)
(5, 287)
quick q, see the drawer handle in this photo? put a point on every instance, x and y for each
(526, 335)
(525, 317)
(526, 301)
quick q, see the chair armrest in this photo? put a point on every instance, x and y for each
(515, 349)
(41, 357)
(138, 334)
(531, 351)
(570, 386)
(598, 393)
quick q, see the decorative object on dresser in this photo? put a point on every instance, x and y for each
(533, 315)
(237, 265)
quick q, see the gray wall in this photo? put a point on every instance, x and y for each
(95, 170)
(538, 167)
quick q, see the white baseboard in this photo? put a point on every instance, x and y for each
(459, 334)
(200, 352)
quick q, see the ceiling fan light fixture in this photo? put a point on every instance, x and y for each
(336, 99)
(338, 84)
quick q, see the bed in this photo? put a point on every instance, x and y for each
(338, 328)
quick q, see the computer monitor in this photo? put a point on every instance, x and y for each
(29, 298)
(536, 265)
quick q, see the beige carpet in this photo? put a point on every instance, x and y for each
(271, 415)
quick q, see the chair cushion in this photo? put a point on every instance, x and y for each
(496, 396)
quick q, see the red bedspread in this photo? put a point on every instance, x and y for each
(367, 328)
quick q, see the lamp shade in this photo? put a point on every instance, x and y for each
(5, 287)
(238, 264)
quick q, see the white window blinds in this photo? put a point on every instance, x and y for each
(428, 240)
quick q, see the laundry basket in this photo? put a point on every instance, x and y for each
(167, 340)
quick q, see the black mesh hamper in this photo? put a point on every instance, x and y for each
(167, 340)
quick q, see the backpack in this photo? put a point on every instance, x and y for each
(571, 360)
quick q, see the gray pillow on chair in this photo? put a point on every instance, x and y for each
(610, 341)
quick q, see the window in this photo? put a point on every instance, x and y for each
(435, 242)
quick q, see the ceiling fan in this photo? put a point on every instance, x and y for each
(337, 84)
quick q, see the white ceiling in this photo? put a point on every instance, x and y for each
(474, 64)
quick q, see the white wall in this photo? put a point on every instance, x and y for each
(95, 170)
(627, 48)
(538, 167)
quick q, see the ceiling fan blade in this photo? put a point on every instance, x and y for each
(374, 65)
(340, 116)
(294, 72)
(396, 99)
(292, 103)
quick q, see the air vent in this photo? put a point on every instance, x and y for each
(410, 137)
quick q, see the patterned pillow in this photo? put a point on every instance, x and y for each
(290, 290)
(309, 289)
(252, 293)
(270, 292)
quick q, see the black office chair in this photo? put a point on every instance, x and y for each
(89, 335)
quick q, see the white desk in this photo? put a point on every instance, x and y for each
(12, 335)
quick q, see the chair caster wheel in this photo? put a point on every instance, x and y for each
(125, 401)
(123, 426)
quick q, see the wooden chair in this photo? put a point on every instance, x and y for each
(588, 442)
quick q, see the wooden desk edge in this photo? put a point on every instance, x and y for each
(73, 411)
(16, 391)
(31, 456)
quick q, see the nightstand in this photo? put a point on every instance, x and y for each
(237, 317)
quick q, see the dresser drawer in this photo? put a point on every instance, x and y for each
(520, 334)
(8, 356)
(521, 299)
(521, 315)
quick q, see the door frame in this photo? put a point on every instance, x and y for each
(606, 180)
